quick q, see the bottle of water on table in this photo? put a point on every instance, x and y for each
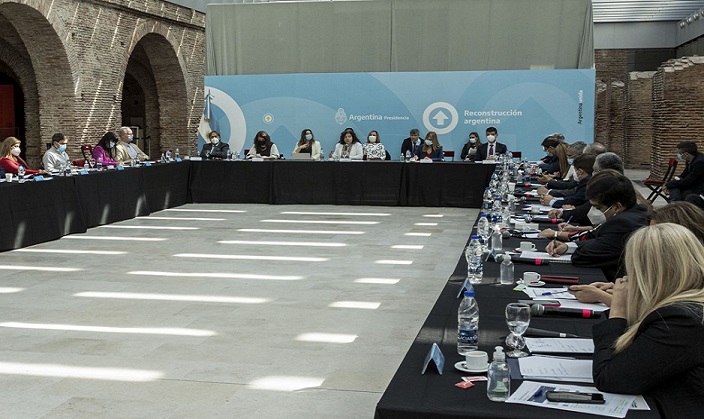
(498, 387)
(467, 324)
(475, 264)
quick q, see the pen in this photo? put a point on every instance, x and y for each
(538, 393)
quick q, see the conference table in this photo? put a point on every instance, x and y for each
(411, 394)
(35, 212)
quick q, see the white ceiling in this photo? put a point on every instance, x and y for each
(644, 10)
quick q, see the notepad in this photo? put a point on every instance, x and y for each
(546, 256)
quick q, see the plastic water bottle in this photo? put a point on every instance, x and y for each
(483, 228)
(498, 387)
(402, 159)
(86, 166)
(168, 155)
(408, 155)
(506, 276)
(506, 215)
(21, 171)
(487, 200)
(322, 155)
(496, 211)
(467, 324)
(497, 242)
(177, 155)
(475, 265)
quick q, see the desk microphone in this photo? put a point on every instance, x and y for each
(540, 310)
(518, 259)
(531, 331)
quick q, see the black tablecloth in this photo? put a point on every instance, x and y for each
(35, 212)
(110, 196)
(447, 184)
(234, 182)
(166, 185)
(412, 395)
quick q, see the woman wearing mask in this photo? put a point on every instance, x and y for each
(10, 159)
(651, 343)
(104, 152)
(469, 151)
(374, 149)
(308, 145)
(431, 149)
(216, 149)
(348, 147)
(263, 147)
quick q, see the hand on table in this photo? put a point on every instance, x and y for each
(548, 233)
(545, 199)
(555, 213)
(555, 248)
(590, 294)
(542, 190)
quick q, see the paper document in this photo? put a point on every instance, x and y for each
(556, 369)
(545, 256)
(560, 345)
(548, 293)
(598, 307)
(534, 394)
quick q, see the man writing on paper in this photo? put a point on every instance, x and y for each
(614, 207)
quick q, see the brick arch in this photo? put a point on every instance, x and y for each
(168, 69)
(53, 66)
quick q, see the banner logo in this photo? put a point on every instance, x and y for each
(440, 117)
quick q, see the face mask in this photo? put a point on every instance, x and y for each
(570, 161)
(215, 140)
(491, 138)
(597, 217)
(15, 151)
(309, 137)
(111, 144)
(472, 140)
(428, 142)
(130, 138)
(372, 138)
(575, 176)
(679, 156)
(62, 148)
(418, 141)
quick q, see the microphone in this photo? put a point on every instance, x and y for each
(548, 333)
(518, 259)
(540, 310)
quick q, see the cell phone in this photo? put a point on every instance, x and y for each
(575, 397)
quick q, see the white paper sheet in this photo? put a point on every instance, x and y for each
(560, 345)
(533, 394)
(546, 256)
(556, 369)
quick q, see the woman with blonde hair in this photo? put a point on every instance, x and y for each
(431, 149)
(652, 342)
(10, 159)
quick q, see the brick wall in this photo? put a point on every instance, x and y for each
(611, 73)
(638, 120)
(72, 71)
(678, 106)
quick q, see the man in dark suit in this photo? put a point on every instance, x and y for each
(615, 211)
(492, 148)
(583, 168)
(411, 143)
(215, 149)
(691, 181)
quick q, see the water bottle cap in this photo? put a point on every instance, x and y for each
(482, 215)
(469, 293)
(499, 354)
(474, 237)
(487, 188)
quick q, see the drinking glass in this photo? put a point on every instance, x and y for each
(517, 319)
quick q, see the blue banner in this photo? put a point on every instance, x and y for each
(524, 105)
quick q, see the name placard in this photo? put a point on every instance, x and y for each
(435, 355)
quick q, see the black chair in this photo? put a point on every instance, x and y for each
(656, 185)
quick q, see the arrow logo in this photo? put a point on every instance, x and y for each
(440, 118)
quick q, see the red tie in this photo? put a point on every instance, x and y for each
(491, 150)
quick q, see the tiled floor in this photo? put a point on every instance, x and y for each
(235, 315)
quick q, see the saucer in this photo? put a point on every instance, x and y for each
(519, 250)
(536, 284)
(461, 366)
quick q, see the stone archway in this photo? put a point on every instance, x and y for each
(32, 47)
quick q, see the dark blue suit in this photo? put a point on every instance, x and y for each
(483, 150)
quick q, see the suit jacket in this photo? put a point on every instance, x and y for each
(409, 145)
(551, 165)
(218, 151)
(435, 155)
(664, 361)
(578, 198)
(483, 150)
(692, 177)
(466, 152)
(122, 155)
(606, 249)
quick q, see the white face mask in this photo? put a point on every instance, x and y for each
(597, 217)
(309, 137)
(472, 140)
(15, 151)
(491, 138)
(428, 142)
(372, 138)
(215, 140)
(575, 176)
(130, 138)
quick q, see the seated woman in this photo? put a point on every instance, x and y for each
(104, 152)
(469, 151)
(614, 208)
(348, 147)
(263, 147)
(307, 145)
(10, 159)
(374, 149)
(431, 150)
(215, 149)
(651, 344)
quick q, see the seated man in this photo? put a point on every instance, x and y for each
(614, 208)
(56, 159)
(691, 181)
(411, 144)
(583, 167)
(215, 149)
(125, 150)
(491, 148)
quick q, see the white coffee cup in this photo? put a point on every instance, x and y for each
(535, 209)
(529, 277)
(8, 177)
(511, 187)
(476, 360)
(527, 247)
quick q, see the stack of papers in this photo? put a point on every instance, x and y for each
(560, 345)
(561, 297)
(556, 369)
(567, 258)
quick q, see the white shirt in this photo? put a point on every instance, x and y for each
(54, 161)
